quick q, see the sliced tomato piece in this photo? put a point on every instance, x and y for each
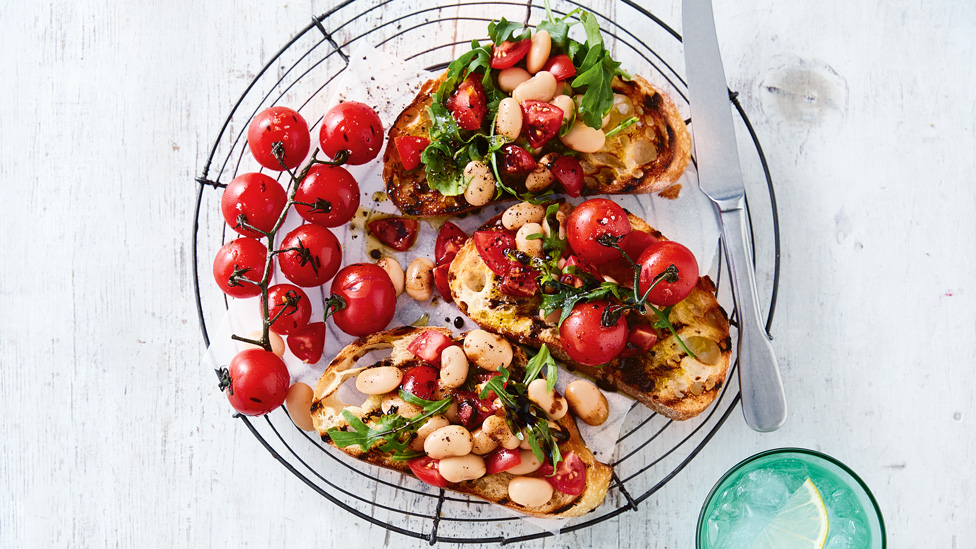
(398, 233)
(308, 343)
(541, 122)
(583, 266)
(483, 378)
(507, 54)
(426, 469)
(561, 66)
(568, 171)
(493, 247)
(570, 476)
(640, 340)
(469, 104)
(420, 381)
(429, 345)
(520, 280)
(409, 148)
(450, 239)
(440, 280)
(473, 411)
(502, 459)
(517, 161)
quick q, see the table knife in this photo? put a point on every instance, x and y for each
(720, 177)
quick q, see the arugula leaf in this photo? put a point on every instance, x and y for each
(534, 368)
(392, 433)
(558, 29)
(507, 31)
(569, 296)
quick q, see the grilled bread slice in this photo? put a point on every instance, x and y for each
(327, 410)
(647, 157)
(666, 379)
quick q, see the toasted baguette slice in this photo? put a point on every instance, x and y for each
(666, 379)
(327, 413)
(646, 157)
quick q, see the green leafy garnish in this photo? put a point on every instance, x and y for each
(507, 31)
(392, 433)
(535, 365)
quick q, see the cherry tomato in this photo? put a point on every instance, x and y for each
(258, 382)
(586, 340)
(640, 340)
(308, 343)
(278, 124)
(429, 345)
(483, 378)
(541, 122)
(517, 161)
(425, 468)
(246, 256)
(570, 477)
(355, 127)
(333, 194)
(493, 247)
(592, 219)
(502, 459)
(450, 239)
(520, 280)
(256, 197)
(655, 259)
(370, 299)
(635, 243)
(472, 411)
(568, 171)
(398, 233)
(507, 54)
(420, 381)
(409, 148)
(441, 282)
(294, 302)
(314, 257)
(468, 104)
(584, 267)
(561, 66)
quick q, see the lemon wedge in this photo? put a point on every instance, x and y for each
(800, 524)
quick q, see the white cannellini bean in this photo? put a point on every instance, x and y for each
(277, 344)
(481, 183)
(524, 244)
(529, 491)
(393, 403)
(540, 178)
(529, 463)
(509, 119)
(487, 350)
(460, 469)
(432, 424)
(584, 139)
(379, 380)
(553, 404)
(587, 402)
(496, 428)
(482, 443)
(510, 78)
(541, 87)
(538, 51)
(419, 282)
(565, 104)
(298, 403)
(522, 213)
(452, 440)
(393, 268)
(454, 367)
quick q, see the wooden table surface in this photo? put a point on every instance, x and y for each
(113, 434)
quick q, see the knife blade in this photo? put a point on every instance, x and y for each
(720, 177)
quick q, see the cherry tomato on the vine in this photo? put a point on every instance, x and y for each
(590, 220)
(658, 257)
(586, 340)
(355, 127)
(258, 198)
(507, 54)
(570, 475)
(541, 122)
(313, 257)
(468, 104)
(370, 299)
(278, 124)
(292, 304)
(398, 233)
(308, 343)
(333, 194)
(569, 173)
(258, 382)
(409, 148)
(246, 257)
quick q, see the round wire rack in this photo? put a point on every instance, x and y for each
(651, 449)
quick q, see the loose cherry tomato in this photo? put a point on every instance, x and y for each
(333, 194)
(517, 161)
(352, 126)
(570, 476)
(409, 148)
(370, 299)
(590, 220)
(278, 124)
(258, 382)
(441, 281)
(420, 381)
(398, 233)
(568, 171)
(493, 247)
(502, 459)
(313, 257)
(541, 122)
(640, 340)
(308, 343)
(655, 259)
(468, 104)
(450, 239)
(256, 197)
(586, 340)
(425, 468)
(429, 345)
(507, 54)
(561, 66)
(246, 257)
(294, 302)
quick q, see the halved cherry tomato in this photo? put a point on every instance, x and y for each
(333, 194)
(258, 382)
(258, 198)
(370, 299)
(313, 257)
(569, 172)
(640, 340)
(570, 476)
(426, 469)
(541, 122)
(507, 54)
(352, 126)
(292, 304)
(308, 343)
(655, 259)
(502, 459)
(420, 381)
(592, 219)
(561, 66)
(472, 411)
(493, 247)
(450, 239)
(398, 233)
(520, 280)
(517, 161)
(441, 281)
(468, 104)
(586, 340)
(584, 267)
(278, 124)
(246, 256)
(408, 148)
(429, 345)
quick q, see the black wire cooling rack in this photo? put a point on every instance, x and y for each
(651, 449)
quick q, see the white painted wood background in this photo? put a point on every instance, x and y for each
(113, 436)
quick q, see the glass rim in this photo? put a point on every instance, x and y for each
(791, 450)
